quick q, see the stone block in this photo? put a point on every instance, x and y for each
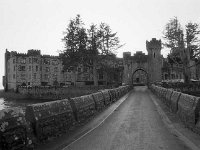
(168, 97)
(154, 89)
(124, 90)
(107, 97)
(158, 90)
(188, 109)
(174, 101)
(13, 129)
(197, 126)
(118, 93)
(84, 107)
(99, 101)
(163, 94)
(112, 93)
(50, 119)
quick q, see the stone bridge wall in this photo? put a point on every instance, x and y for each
(43, 121)
(55, 93)
(191, 89)
(187, 107)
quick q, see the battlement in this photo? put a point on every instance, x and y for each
(139, 53)
(126, 54)
(21, 54)
(14, 53)
(33, 52)
(153, 44)
(50, 56)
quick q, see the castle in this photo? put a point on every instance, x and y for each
(34, 69)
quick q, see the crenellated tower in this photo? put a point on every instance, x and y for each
(154, 60)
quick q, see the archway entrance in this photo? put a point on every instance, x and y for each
(140, 77)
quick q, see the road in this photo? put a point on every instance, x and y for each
(134, 125)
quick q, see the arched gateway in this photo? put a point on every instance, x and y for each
(140, 65)
(140, 76)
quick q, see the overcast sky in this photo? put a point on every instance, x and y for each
(39, 24)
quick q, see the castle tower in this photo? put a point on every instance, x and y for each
(127, 71)
(5, 77)
(154, 60)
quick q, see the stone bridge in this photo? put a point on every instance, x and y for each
(119, 118)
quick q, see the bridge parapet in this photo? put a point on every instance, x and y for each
(187, 107)
(21, 129)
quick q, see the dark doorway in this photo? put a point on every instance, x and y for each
(140, 77)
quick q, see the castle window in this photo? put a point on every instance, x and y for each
(35, 60)
(46, 76)
(14, 68)
(154, 55)
(23, 61)
(85, 69)
(56, 69)
(29, 60)
(54, 62)
(34, 76)
(21, 68)
(46, 62)
(47, 69)
(79, 69)
(36, 68)
(23, 76)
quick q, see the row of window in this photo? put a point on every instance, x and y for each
(172, 76)
(36, 60)
(23, 76)
(23, 68)
(46, 76)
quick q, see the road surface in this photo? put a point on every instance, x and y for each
(134, 125)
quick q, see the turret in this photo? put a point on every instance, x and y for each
(154, 59)
(33, 52)
(154, 46)
(5, 78)
(126, 54)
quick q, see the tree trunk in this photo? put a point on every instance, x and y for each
(106, 76)
(95, 78)
(186, 74)
(74, 77)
